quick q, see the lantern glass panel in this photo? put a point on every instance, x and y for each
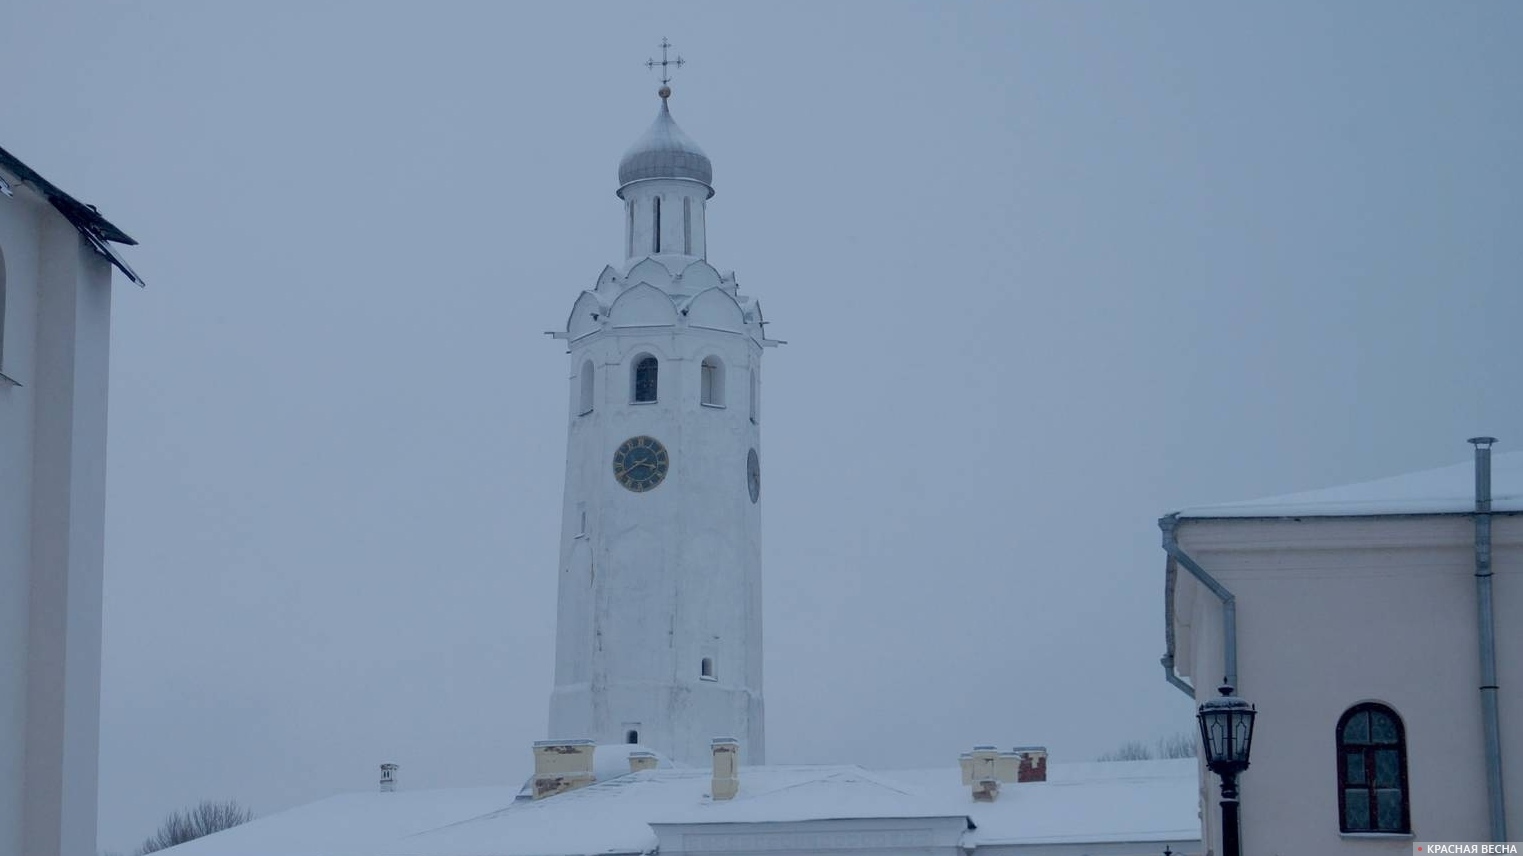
(1242, 737)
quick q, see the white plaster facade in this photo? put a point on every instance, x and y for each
(1336, 608)
(659, 626)
(55, 304)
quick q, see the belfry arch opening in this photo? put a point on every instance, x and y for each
(643, 379)
(711, 381)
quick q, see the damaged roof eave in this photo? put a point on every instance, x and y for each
(97, 230)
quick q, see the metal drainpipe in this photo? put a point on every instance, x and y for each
(1487, 638)
(1229, 603)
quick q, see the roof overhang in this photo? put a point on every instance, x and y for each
(96, 230)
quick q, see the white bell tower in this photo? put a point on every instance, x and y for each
(659, 626)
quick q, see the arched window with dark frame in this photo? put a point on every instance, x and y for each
(645, 376)
(1372, 771)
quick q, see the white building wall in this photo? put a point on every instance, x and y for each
(1336, 611)
(888, 836)
(52, 501)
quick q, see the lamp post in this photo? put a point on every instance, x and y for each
(1226, 733)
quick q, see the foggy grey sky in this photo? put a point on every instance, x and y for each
(1047, 271)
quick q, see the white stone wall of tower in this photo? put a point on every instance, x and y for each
(681, 234)
(655, 584)
(658, 581)
(56, 318)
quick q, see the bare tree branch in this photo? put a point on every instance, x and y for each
(1178, 745)
(204, 819)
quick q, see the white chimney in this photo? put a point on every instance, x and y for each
(982, 774)
(388, 778)
(1007, 767)
(641, 761)
(562, 765)
(726, 769)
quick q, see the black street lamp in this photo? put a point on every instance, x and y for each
(1226, 732)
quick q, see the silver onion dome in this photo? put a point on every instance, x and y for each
(664, 151)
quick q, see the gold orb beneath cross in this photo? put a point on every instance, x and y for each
(665, 92)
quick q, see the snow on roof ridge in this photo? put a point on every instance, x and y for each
(1442, 490)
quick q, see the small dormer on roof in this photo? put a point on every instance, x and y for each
(665, 151)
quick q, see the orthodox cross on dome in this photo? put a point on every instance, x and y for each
(666, 67)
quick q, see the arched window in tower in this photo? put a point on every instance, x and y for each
(585, 406)
(631, 736)
(1372, 771)
(706, 669)
(687, 225)
(644, 380)
(711, 382)
(655, 232)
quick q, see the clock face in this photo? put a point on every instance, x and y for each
(753, 474)
(640, 463)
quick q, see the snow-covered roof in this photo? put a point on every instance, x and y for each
(1446, 490)
(1083, 803)
(356, 824)
(1142, 801)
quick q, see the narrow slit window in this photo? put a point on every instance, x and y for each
(629, 238)
(2, 310)
(655, 232)
(581, 526)
(711, 382)
(755, 396)
(687, 226)
(585, 404)
(646, 370)
(706, 668)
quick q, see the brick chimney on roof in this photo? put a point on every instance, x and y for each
(986, 768)
(1033, 763)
